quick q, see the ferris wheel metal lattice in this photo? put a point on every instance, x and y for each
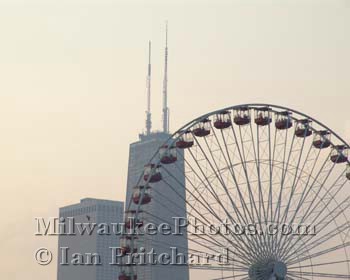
(262, 165)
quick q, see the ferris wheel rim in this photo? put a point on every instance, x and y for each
(251, 106)
(174, 136)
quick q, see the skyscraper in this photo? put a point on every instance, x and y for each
(140, 154)
(89, 212)
(155, 212)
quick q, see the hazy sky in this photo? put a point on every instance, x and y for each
(72, 89)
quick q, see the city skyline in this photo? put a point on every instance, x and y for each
(73, 91)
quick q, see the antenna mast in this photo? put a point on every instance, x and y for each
(148, 112)
(165, 86)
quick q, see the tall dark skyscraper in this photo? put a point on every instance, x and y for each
(140, 153)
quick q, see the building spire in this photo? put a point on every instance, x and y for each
(165, 86)
(148, 112)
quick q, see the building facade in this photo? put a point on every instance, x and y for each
(160, 209)
(94, 245)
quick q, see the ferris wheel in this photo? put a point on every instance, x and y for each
(276, 181)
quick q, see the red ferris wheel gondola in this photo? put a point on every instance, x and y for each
(303, 128)
(263, 116)
(141, 194)
(222, 120)
(152, 173)
(242, 116)
(124, 276)
(202, 128)
(283, 120)
(322, 139)
(185, 140)
(130, 219)
(339, 154)
(167, 154)
(125, 245)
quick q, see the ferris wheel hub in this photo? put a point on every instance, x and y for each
(271, 270)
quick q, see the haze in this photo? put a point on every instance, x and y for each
(72, 90)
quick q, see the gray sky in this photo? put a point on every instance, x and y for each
(72, 89)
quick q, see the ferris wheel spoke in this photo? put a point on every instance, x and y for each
(293, 163)
(344, 205)
(326, 275)
(202, 201)
(319, 181)
(191, 194)
(230, 167)
(259, 239)
(236, 237)
(243, 254)
(160, 202)
(243, 156)
(258, 242)
(262, 216)
(295, 155)
(222, 181)
(322, 176)
(321, 240)
(244, 162)
(320, 187)
(198, 254)
(296, 180)
(212, 189)
(224, 268)
(289, 276)
(211, 249)
(326, 199)
(232, 172)
(215, 172)
(242, 261)
(203, 254)
(309, 161)
(171, 201)
(213, 193)
(332, 215)
(293, 188)
(312, 163)
(279, 160)
(208, 207)
(320, 253)
(222, 206)
(318, 264)
(285, 166)
(270, 176)
(275, 163)
(265, 241)
(271, 161)
(232, 277)
(259, 148)
(263, 146)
